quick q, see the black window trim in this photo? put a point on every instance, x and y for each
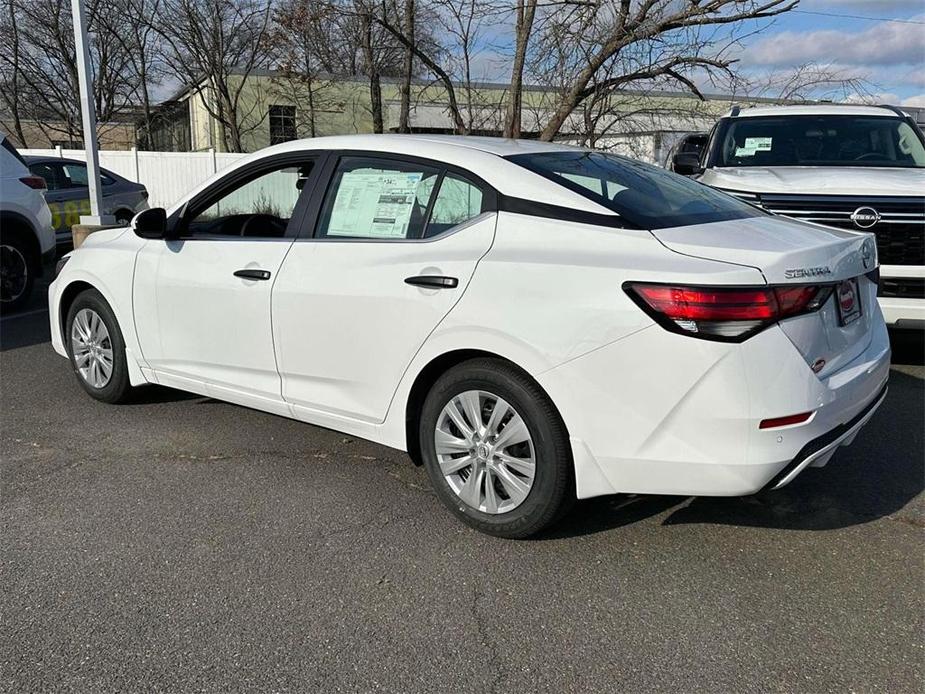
(179, 220)
(310, 230)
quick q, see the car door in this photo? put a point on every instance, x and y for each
(202, 299)
(395, 244)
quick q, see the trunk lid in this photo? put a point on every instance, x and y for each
(798, 253)
(784, 250)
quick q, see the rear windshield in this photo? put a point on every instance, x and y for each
(819, 141)
(646, 196)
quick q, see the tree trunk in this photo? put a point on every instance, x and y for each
(404, 115)
(13, 100)
(525, 14)
(375, 89)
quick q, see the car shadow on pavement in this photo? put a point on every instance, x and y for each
(877, 476)
(155, 394)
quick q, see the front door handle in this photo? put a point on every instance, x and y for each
(252, 274)
(433, 281)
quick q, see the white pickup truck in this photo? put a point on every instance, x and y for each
(850, 167)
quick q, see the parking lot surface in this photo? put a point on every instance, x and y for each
(178, 543)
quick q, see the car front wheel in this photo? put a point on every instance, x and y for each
(496, 449)
(96, 348)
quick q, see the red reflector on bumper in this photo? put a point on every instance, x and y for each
(784, 421)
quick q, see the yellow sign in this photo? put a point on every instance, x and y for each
(66, 214)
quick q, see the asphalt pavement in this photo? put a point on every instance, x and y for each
(182, 544)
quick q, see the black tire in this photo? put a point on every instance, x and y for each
(18, 267)
(117, 388)
(553, 489)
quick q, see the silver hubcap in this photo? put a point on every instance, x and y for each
(92, 348)
(485, 452)
(14, 273)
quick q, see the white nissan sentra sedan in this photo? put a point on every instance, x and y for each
(532, 322)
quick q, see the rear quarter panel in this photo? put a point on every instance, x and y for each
(551, 291)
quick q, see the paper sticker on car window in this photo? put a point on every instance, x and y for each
(759, 144)
(374, 204)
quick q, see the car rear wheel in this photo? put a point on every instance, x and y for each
(496, 449)
(17, 272)
(96, 348)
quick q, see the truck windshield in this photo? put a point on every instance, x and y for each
(646, 196)
(819, 141)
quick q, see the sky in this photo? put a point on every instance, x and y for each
(890, 55)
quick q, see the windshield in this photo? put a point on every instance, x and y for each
(819, 141)
(646, 196)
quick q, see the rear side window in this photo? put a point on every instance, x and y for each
(377, 199)
(457, 201)
(76, 174)
(645, 196)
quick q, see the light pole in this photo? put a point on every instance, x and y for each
(88, 116)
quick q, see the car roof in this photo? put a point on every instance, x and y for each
(428, 145)
(42, 158)
(815, 110)
(479, 155)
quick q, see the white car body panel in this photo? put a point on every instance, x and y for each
(28, 203)
(366, 322)
(817, 180)
(197, 321)
(338, 339)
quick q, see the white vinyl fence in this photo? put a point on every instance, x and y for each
(168, 176)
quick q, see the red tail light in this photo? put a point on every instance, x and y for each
(785, 421)
(36, 182)
(724, 313)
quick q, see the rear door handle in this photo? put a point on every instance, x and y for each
(252, 274)
(433, 281)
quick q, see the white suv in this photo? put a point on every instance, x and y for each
(851, 167)
(27, 239)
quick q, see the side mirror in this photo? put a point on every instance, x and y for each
(686, 164)
(150, 224)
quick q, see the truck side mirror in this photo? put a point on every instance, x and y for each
(150, 223)
(686, 164)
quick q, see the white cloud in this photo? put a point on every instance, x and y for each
(888, 43)
(918, 100)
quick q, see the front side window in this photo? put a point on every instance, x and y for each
(260, 206)
(282, 124)
(819, 141)
(646, 196)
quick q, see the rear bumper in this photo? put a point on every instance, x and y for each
(658, 413)
(818, 451)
